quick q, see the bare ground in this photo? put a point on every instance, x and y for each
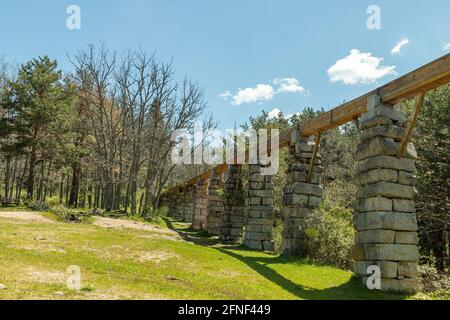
(129, 224)
(97, 221)
(24, 215)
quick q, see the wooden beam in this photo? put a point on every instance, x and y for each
(412, 122)
(314, 157)
(423, 79)
(427, 77)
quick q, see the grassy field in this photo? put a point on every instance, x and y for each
(162, 262)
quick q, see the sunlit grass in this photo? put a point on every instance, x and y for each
(137, 264)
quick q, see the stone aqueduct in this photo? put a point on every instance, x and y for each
(384, 219)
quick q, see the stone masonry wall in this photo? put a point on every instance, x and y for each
(299, 197)
(172, 204)
(260, 212)
(179, 211)
(234, 206)
(385, 217)
(200, 206)
(189, 205)
(215, 207)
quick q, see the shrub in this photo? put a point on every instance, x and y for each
(69, 215)
(36, 205)
(277, 235)
(330, 236)
(155, 214)
(340, 192)
(98, 212)
(432, 281)
(53, 201)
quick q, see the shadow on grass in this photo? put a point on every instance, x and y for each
(261, 263)
(189, 234)
(351, 290)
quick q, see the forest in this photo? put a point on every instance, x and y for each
(98, 139)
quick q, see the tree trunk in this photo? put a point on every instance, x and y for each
(66, 191)
(14, 178)
(21, 180)
(90, 195)
(7, 175)
(141, 202)
(73, 199)
(61, 189)
(41, 182)
(33, 158)
(439, 250)
(47, 180)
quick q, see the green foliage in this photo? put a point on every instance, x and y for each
(434, 282)
(340, 192)
(155, 214)
(36, 205)
(277, 235)
(69, 215)
(52, 201)
(432, 142)
(330, 235)
(39, 104)
(88, 288)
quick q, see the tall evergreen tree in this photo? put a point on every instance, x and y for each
(38, 102)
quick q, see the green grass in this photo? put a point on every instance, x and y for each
(135, 264)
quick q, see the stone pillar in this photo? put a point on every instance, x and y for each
(172, 204)
(189, 205)
(300, 197)
(234, 206)
(200, 205)
(385, 218)
(215, 206)
(182, 211)
(259, 210)
(180, 205)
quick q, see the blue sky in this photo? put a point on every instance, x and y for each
(249, 55)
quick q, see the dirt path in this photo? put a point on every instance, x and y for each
(97, 221)
(24, 215)
(123, 224)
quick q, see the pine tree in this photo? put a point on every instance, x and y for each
(38, 101)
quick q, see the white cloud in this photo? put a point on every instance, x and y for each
(262, 92)
(359, 68)
(289, 85)
(446, 47)
(398, 47)
(225, 95)
(274, 113)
